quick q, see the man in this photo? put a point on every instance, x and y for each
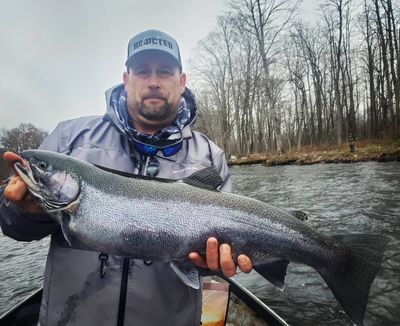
(146, 130)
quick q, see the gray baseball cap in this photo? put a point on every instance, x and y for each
(153, 40)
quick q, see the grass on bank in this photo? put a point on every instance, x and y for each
(365, 150)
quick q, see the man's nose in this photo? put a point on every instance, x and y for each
(154, 81)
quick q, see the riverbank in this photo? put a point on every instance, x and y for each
(364, 152)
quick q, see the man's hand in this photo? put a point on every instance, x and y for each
(16, 190)
(221, 259)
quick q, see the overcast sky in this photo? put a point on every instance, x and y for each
(58, 57)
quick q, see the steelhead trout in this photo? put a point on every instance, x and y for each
(166, 220)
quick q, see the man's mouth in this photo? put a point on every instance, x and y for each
(154, 95)
(154, 100)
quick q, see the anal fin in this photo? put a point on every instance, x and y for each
(274, 270)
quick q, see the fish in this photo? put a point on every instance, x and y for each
(165, 220)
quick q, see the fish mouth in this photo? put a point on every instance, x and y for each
(27, 175)
(54, 190)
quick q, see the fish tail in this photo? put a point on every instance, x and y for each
(351, 285)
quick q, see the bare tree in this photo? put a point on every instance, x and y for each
(25, 136)
(266, 19)
(268, 84)
(4, 169)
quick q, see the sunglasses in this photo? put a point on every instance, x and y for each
(150, 148)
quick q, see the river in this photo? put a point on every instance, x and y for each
(339, 198)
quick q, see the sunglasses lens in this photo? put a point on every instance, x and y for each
(146, 149)
(171, 150)
(152, 151)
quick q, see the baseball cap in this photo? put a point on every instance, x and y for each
(153, 40)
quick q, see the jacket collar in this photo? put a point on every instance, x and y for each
(111, 115)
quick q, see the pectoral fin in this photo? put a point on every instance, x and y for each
(63, 219)
(273, 270)
(187, 273)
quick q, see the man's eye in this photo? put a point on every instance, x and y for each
(166, 72)
(142, 72)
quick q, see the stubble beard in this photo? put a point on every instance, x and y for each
(153, 112)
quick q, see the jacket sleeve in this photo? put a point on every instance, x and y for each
(221, 165)
(25, 226)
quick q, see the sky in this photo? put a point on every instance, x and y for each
(57, 58)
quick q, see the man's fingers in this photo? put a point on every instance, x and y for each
(11, 158)
(212, 254)
(197, 259)
(244, 263)
(227, 264)
(220, 258)
(16, 189)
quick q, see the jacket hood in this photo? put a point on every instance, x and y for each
(115, 92)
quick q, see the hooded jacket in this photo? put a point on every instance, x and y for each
(86, 287)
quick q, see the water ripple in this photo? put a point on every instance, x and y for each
(339, 198)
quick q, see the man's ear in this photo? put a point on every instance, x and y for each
(182, 82)
(125, 78)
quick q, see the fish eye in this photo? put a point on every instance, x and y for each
(42, 165)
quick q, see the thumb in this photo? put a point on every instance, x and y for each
(12, 158)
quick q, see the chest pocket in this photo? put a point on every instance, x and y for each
(185, 169)
(195, 156)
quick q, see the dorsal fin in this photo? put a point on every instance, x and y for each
(207, 178)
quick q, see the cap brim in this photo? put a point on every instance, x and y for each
(145, 52)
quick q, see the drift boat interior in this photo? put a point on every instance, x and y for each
(238, 308)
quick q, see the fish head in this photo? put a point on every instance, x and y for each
(48, 179)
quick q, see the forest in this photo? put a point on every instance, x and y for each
(270, 79)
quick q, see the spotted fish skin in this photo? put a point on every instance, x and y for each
(151, 219)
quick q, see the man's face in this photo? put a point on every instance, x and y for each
(154, 86)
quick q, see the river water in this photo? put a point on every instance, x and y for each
(339, 198)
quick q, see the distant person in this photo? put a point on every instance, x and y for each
(146, 130)
(351, 139)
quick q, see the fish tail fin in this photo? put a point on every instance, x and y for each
(351, 285)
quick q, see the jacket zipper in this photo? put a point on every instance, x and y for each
(123, 292)
(125, 264)
(103, 257)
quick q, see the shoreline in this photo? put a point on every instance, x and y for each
(368, 153)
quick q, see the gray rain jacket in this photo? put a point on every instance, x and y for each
(145, 293)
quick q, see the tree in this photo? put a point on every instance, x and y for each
(25, 136)
(4, 169)
(266, 20)
(268, 83)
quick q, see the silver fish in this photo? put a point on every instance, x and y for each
(166, 220)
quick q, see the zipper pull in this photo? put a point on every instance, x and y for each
(103, 264)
